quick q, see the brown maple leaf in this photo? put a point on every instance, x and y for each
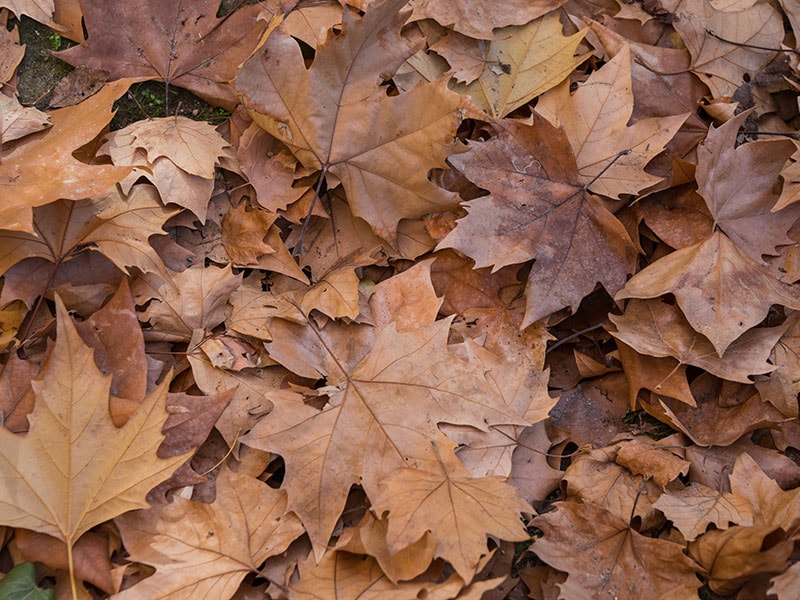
(205, 550)
(604, 557)
(22, 163)
(74, 469)
(337, 119)
(386, 397)
(539, 208)
(183, 44)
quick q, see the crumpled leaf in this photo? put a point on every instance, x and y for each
(737, 184)
(22, 186)
(205, 550)
(539, 209)
(337, 120)
(604, 557)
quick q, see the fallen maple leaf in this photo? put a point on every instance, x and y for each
(539, 209)
(74, 469)
(693, 508)
(721, 290)
(457, 509)
(22, 186)
(205, 550)
(737, 184)
(182, 44)
(595, 120)
(385, 401)
(478, 18)
(521, 63)
(337, 119)
(604, 557)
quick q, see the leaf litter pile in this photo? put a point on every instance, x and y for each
(463, 300)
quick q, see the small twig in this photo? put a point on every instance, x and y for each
(133, 97)
(298, 249)
(794, 136)
(752, 46)
(619, 155)
(572, 336)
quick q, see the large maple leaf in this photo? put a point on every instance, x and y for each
(595, 119)
(387, 393)
(22, 163)
(75, 469)
(336, 118)
(182, 43)
(540, 209)
(205, 550)
(606, 558)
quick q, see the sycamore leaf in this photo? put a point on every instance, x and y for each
(721, 290)
(336, 118)
(197, 298)
(606, 558)
(478, 18)
(749, 33)
(539, 209)
(595, 119)
(521, 63)
(39, 10)
(693, 508)
(184, 44)
(17, 121)
(177, 155)
(772, 505)
(787, 585)
(660, 329)
(74, 469)
(737, 184)
(457, 509)
(341, 574)
(731, 556)
(385, 401)
(22, 164)
(204, 550)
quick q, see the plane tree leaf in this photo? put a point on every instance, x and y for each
(204, 550)
(181, 43)
(336, 118)
(538, 209)
(74, 469)
(22, 163)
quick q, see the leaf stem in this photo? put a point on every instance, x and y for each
(619, 155)
(752, 46)
(298, 249)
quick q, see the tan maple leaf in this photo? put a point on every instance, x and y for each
(182, 44)
(604, 557)
(595, 119)
(772, 505)
(693, 508)
(204, 550)
(660, 329)
(521, 63)
(386, 391)
(538, 208)
(176, 154)
(17, 121)
(737, 184)
(22, 163)
(74, 469)
(458, 510)
(721, 290)
(478, 18)
(748, 30)
(335, 117)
